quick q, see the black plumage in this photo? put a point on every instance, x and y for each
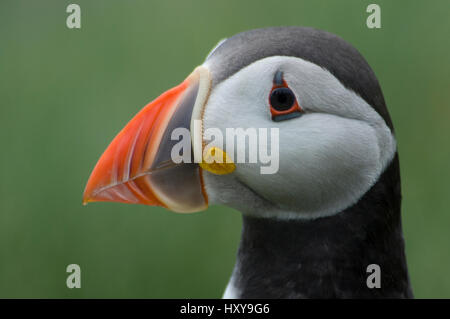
(328, 257)
(319, 47)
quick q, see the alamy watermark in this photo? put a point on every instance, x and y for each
(74, 279)
(374, 279)
(249, 145)
(374, 19)
(73, 20)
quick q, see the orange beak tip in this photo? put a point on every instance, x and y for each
(85, 201)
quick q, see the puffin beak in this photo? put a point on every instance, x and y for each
(137, 166)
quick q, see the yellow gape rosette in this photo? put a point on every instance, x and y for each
(216, 161)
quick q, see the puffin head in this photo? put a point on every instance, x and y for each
(323, 133)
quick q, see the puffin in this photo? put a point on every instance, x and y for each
(314, 226)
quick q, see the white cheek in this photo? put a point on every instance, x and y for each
(328, 158)
(326, 164)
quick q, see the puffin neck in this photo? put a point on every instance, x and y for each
(327, 257)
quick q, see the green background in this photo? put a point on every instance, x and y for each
(65, 93)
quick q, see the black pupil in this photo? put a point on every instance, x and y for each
(282, 99)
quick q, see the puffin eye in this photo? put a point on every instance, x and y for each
(283, 103)
(282, 99)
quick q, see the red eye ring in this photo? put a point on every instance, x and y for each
(282, 101)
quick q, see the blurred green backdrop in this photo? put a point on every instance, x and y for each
(66, 93)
